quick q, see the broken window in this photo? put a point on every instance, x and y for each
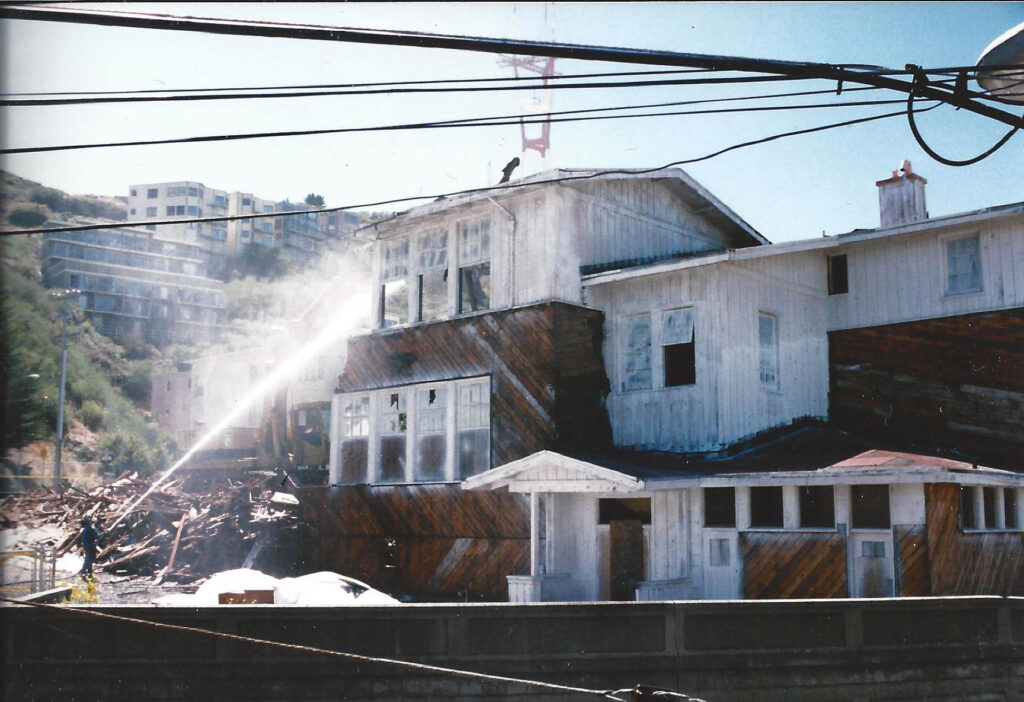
(475, 266)
(870, 506)
(474, 429)
(433, 277)
(355, 439)
(431, 434)
(817, 506)
(768, 341)
(637, 371)
(677, 342)
(720, 507)
(766, 506)
(963, 266)
(393, 427)
(394, 293)
(838, 280)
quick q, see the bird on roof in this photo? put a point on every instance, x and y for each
(506, 172)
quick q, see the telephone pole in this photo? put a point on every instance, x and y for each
(63, 296)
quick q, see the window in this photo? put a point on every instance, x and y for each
(963, 266)
(134, 193)
(220, 201)
(246, 202)
(718, 552)
(193, 192)
(474, 429)
(245, 234)
(817, 507)
(838, 280)
(768, 338)
(475, 266)
(1010, 508)
(720, 507)
(355, 439)
(678, 347)
(131, 211)
(152, 193)
(637, 371)
(431, 434)
(988, 499)
(988, 508)
(394, 302)
(194, 211)
(393, 427)
(177, 191)
(766, 506)
(151, 227)
(151, 212)
(433, 277)
(870, 506)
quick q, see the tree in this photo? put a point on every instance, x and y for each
(314, 200)
(26, 217)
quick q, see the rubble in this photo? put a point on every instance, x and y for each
(172, 534)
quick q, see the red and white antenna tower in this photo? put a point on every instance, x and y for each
(540, 104)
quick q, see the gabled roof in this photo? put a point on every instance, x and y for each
(808, 456)
(739, 234)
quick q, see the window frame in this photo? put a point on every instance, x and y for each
(1007, 502)
(477, 260)
(627, 350)
(945, 243)
(689, 330)
(835, 281)
(768, 352)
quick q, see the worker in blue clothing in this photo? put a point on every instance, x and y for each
(89, 538)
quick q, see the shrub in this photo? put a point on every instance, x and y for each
(26, 217)
(92, 414)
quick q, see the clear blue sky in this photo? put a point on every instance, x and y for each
(789, 189)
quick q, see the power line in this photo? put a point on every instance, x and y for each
(869, 75)
(499, 121)
(472, 191)
(329, 86)
(37, 102)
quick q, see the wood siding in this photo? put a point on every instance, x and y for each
(903, 278)
(913, 567)
(955, 382)
(448, 543)
(727, 403)
(793, 565)
(972, 563)
(547, 374)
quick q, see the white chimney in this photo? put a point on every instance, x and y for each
(901, 197)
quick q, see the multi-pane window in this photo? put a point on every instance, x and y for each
(637, 354)
(768, 343)
(393, 428)
(474, 429)
(152, 193)
(475, 266)
(431, 435)
(678, 347)
(394, 303)
(151, 212)
(355, 439)
(963, 265)
(433, 275)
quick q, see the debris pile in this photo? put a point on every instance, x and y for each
(174, 535)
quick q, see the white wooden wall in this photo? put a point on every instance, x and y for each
(903, 278)
(727, 403)
(573, 542)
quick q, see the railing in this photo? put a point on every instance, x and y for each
(655, 590)
(558, 587)
(44, 567)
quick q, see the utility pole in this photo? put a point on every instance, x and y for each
(63, 295)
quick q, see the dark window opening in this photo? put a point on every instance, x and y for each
(838, 280)
(152, 192)
(989, 500)
(475, 287)
(680, 365)
(766, 506)
(967, 520)
(817, 506)
(720, 507)
(626, 509)
(870, 505)
(1010, 507)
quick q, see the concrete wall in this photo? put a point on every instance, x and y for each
(856, 650)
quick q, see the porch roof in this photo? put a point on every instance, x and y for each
(807, 456)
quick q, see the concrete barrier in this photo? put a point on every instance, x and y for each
(900, 649)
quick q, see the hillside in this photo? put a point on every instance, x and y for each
(25, 204)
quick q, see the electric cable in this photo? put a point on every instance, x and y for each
(471, 191)
(422, 667)
(399, 91)
(499, 121)
(911, 96)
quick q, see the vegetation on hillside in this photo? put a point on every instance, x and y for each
(25, 204)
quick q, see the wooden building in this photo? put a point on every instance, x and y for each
(575, 336)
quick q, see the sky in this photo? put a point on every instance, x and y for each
(793, 188)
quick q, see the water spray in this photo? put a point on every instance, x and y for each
(344, 320)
